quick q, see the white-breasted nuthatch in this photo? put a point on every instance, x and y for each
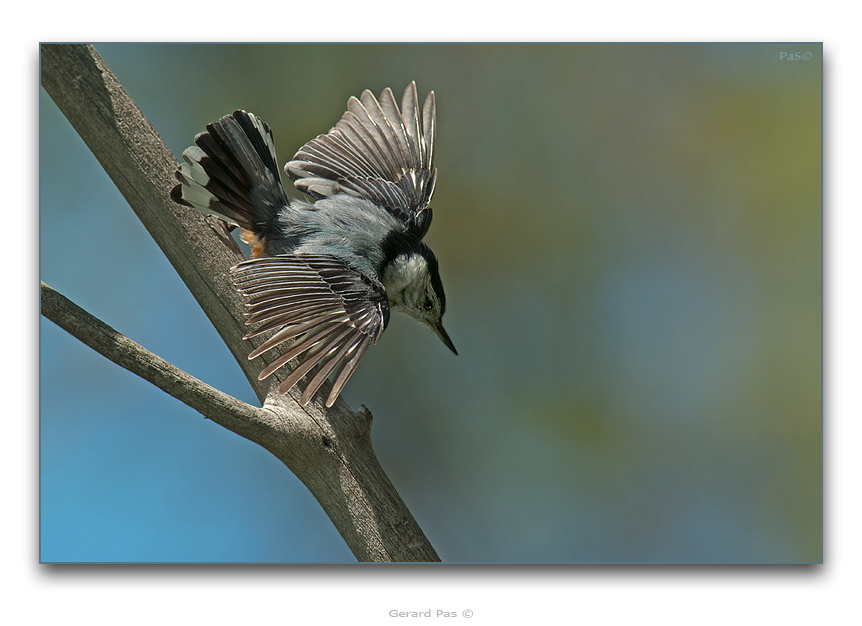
(326, 273)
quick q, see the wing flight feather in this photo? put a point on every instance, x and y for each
(329, 312)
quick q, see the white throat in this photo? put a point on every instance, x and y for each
(406, 274)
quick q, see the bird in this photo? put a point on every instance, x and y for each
(326, 270)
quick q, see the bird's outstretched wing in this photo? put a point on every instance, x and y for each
(378, 152)
(331, 311)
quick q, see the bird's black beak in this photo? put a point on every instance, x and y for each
(444, 337)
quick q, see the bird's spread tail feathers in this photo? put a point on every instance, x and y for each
(231, 172)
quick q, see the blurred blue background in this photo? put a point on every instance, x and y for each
(630, 240)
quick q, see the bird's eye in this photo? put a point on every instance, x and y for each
(428, 304)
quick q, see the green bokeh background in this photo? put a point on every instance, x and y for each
(630, 240)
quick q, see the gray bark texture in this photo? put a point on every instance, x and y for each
(329, 450)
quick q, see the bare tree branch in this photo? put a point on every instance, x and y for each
(329, 450)
(220, 407)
